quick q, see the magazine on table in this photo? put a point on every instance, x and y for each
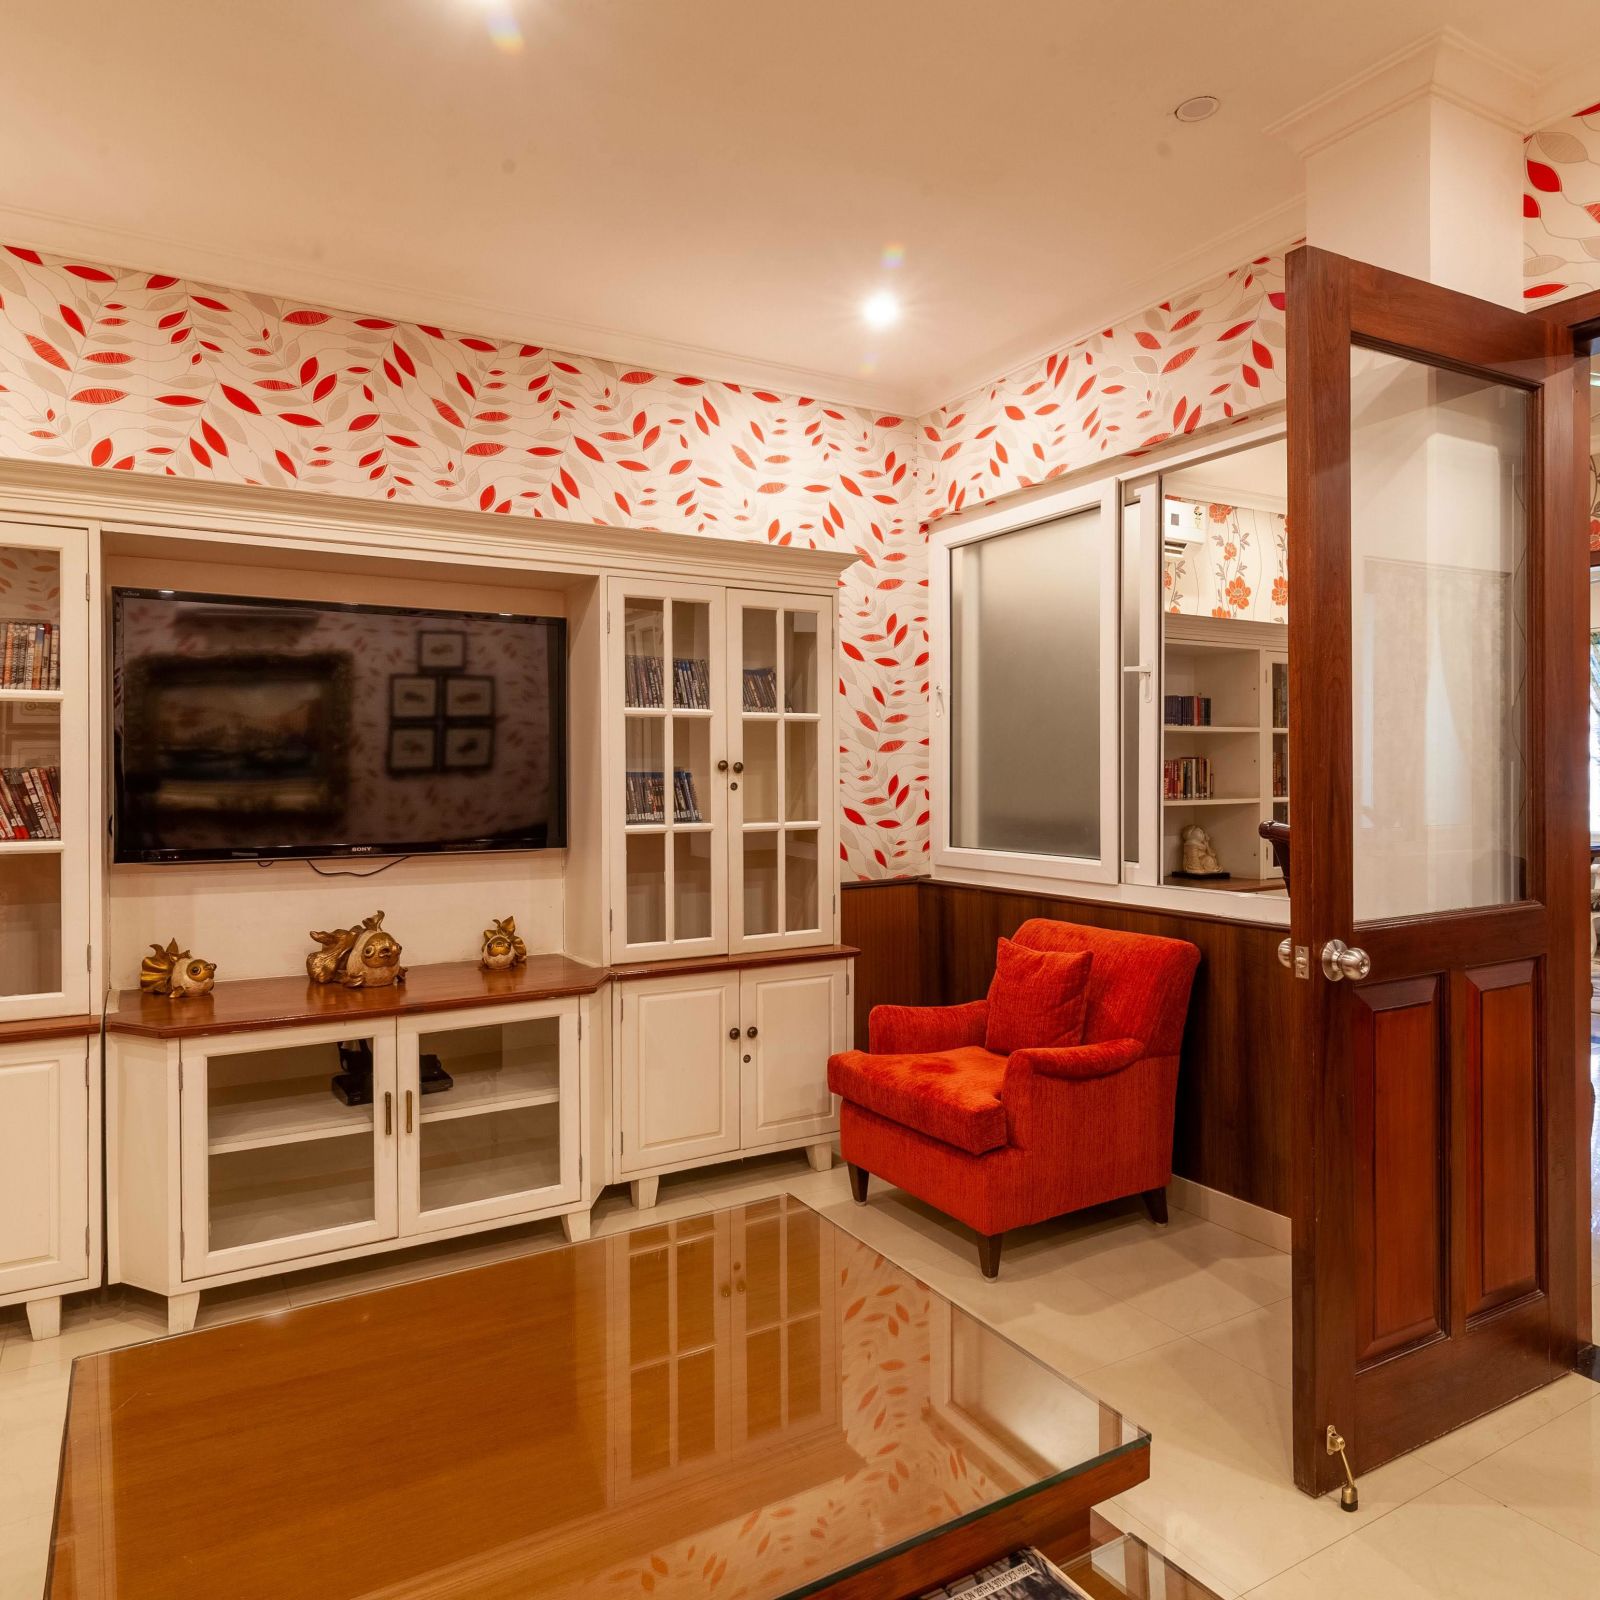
(1022, 1575)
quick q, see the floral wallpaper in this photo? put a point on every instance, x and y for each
(1238, 566)
(1209, 356)
(1561, 208)
(136, 371)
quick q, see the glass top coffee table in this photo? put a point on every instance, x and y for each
(749, 1402)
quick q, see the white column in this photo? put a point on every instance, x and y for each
(1416, 165)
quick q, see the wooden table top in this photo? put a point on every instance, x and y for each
(749, 1402)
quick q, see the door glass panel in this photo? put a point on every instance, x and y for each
(760, 663)
(761, 882)
(496, 1066)
(691, 654)
(799, 661)
(1025, 689)
(1438, 545)
(800, 772)
(646, 798)
(30, 771)
(287, 1154)
(760, 779)
(647, 888)
(800, 880)
(691, 885)
(644, 653)
(484, 1155)
(691, 768)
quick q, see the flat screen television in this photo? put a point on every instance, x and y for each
(249, 729)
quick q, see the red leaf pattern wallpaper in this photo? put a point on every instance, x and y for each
(1561, 208)
(137, 371)
(1235, 564)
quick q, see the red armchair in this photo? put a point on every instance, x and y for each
(999, 1141)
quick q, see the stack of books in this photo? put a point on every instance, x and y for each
(646, 798)
(691, 683)
(685, 802)
(30, 655)
(1186, 778)
(30, 802)
(1280, 697)
(1280, 771)
(644, 680)
(1186, 710)
(760, 689)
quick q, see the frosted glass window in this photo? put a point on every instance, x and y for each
(1438, 549)
(1025, 689)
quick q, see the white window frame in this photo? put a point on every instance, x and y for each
(1120, 492)
(972, 527)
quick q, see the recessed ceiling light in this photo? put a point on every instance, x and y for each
(1197, 108)
(880, 309)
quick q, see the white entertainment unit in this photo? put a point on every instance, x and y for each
(685, 986)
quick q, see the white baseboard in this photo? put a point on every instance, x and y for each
(1254, 1222)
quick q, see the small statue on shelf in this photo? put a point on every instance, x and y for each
(502, 946)
(362, 957)
(1199, 854)
(169, 971)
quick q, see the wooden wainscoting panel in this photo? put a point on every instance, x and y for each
(1397, 1146)
(883, 920)
(1502, 1135)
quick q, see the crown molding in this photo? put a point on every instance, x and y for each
(1267, 233)
(1445, 64)
(1566, 91)
(361, 296)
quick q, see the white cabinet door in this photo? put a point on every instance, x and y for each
(794, 1018)
(668, 787)
(680, 1069)
(275, 1165)
(44, 1164)
(502, 1139)
(782, 793)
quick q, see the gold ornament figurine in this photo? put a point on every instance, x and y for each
(362, 957)
(502, 948)
(175, 973)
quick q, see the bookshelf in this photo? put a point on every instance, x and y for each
(44, 779)
(1224, 744)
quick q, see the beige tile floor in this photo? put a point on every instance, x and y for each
(1186, 1329)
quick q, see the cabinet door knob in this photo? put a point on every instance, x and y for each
(388, 1113)
(722, 766)
(408, 1111)
(738, 766)
(733, 1033)
(750, 1032)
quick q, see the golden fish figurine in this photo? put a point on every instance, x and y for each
(170, 971)
(362, 957)
(502, 947)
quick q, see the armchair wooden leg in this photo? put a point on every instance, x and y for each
(1155, 1201)
(858, 1183)
(989, 1253)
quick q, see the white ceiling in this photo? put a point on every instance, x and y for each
(700, 184)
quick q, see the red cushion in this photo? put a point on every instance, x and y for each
(951, 1095)
(1038, 999)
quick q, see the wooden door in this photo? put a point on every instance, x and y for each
(781, 806)
(44, 1164)
(679, 1088)
(1437, 706)
(502, 1140)
(275, 1166)
(793, 1019)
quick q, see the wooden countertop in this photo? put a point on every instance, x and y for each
(251, 1004)
(25, 1032)
(248, 1004)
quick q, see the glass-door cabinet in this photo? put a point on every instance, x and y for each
(45, 835)
(722, 804)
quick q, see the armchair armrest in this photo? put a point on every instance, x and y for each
(898, 1030)
(1098, 1060)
